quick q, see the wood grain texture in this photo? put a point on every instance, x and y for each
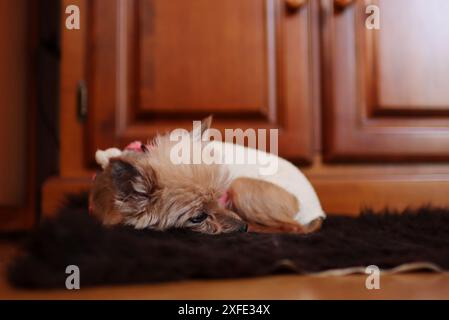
(18, 123)
(412, 57)
(13, 86)
(73, 70)
(248, 63)
(215, 57)
(376, 91)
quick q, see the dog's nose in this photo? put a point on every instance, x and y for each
(244, 228)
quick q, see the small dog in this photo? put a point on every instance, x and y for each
(142, 187)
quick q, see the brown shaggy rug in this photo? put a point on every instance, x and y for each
(122, 255)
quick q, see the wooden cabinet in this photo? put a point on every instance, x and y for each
(385, 103)
(355, 106)
(156, 65)
(386, 91)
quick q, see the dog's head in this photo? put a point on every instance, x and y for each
(147, 190)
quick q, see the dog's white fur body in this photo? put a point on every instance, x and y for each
(286, 176)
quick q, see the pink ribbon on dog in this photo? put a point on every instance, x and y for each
(223, 200)
(138, 146)
(134, 146)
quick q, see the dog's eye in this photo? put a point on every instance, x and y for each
(199, 218)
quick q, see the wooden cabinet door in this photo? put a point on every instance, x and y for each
(156, 65)
(17, 123)
(13, 84)
(386, 91)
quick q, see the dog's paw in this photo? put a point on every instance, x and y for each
(313, 226)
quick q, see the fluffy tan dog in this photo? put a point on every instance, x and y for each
(142, 187)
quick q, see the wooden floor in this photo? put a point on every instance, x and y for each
(406, 286)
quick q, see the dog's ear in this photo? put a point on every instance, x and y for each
(206, 123)
(199, 129)
(129, 181)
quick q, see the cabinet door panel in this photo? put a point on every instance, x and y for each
(386, 94)
(215, 57)
(413, 56)
(155, 65)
